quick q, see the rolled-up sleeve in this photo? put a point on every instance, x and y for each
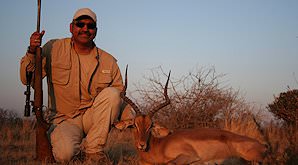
(27, 64)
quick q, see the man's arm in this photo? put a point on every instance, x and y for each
(28, 60)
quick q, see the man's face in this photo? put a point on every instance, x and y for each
(83, 30)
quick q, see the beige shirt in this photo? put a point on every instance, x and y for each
(61, 65)
(85, 71)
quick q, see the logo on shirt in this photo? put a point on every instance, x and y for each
(106, 71)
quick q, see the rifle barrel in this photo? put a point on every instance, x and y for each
(38, 15)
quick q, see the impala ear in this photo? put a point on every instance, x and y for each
(124, 124)
(160, 131)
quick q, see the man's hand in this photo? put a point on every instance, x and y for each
(35, 41)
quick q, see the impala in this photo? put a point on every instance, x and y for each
(187, 146)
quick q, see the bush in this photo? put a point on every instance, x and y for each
(285, 107)
(199, 99)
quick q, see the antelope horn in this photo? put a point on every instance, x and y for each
(126, 99)
(167, 101)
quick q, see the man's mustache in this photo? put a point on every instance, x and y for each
(86, 32)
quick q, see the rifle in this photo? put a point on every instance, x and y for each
(43, 146)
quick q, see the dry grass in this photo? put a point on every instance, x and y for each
(17, 142)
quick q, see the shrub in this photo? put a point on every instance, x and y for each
(285, 107)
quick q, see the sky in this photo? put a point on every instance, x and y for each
(253, 42)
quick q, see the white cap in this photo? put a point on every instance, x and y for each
(85, 11)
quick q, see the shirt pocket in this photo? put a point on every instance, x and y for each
(60, 75)
(104, 80)
(100, 82)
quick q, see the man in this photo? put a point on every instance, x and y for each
(84, 83)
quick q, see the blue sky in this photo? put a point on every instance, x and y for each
(253, 42)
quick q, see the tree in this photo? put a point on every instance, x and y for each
(285, 107)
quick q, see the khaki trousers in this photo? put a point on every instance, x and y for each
(95, 123)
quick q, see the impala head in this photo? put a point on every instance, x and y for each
(143, 129)
(142, 124)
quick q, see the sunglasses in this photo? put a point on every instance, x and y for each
(82, 24)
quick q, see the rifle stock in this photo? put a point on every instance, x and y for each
(43, 146)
